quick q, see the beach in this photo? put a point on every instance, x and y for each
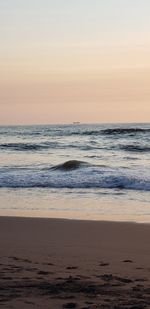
(74, 154)
(57, 263)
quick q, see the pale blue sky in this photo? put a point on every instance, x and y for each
(75, 20)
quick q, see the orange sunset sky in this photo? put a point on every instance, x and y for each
(84, 60)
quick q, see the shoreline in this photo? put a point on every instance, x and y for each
(61, 263)
(27, 217)
(101, 218)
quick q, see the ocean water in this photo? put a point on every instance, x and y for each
(76, 171)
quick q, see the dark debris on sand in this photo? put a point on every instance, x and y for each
(107, 291)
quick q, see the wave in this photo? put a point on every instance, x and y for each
(111, 131)
(67, 131)
(74, 176)
(114, 131)
(25, 146)
(70, 165)
(33, 147)
(135, 148)
(44, 146)
(87, 132)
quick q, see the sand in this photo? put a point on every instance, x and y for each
(52, 263)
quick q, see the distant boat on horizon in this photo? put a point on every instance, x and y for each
(76, 122)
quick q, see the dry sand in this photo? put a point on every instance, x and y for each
(51, 263)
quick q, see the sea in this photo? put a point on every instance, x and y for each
(76, 171)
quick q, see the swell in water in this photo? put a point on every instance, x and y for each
(76, 174)
(73, 130)
(31, 147)
(135, 148)
(70, 165)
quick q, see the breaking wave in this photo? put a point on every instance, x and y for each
(75, 176)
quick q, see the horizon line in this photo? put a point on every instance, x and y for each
(71, 123)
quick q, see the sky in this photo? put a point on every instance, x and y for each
(74, 60)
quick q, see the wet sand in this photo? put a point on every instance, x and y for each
(52, 263)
